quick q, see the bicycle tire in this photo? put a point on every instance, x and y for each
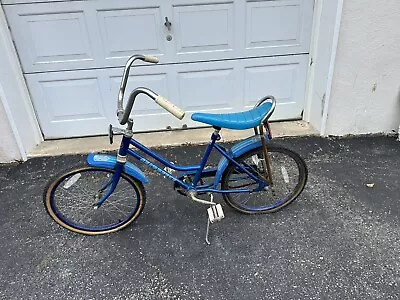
(278, 155)
(57, 188)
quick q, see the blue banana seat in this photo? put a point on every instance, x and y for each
(241, 120)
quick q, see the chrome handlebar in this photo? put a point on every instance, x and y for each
(123, 114)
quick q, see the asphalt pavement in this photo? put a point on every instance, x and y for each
(339, 240)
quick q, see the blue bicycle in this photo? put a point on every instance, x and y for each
(107, 193)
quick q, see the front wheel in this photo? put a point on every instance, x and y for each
(289, 174)
(71, 200)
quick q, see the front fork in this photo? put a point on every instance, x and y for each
(113, 182)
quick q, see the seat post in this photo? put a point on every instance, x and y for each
(214, 137)
(216, 133)
(267, 165)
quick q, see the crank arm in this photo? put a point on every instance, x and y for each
(194, 198)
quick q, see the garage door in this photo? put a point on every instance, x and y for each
(216, 56)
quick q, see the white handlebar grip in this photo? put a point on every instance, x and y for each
(176, 111)
(151, 59)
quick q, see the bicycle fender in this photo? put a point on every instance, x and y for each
(238, 149)
(109, 162)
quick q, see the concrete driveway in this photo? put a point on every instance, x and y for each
(339, 240)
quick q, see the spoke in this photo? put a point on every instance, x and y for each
(112, 200)
(111, 218)
(121, 205)
(117, 208)
(124, 189)
(113, 206)
(77, 205)
(65, 205)
(244, 201)
(84, 216)
(74, 199)
(75, 208)
(74, 194)
(129, 207)
(241, 186)
(255, 172)
(118, 200)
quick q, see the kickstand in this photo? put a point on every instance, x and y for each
(208, 228)
(208, 220)
(214, 213)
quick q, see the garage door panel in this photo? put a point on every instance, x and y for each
(47, 37)
(122, 32)
(48, 45)
(207, 27)
(272, 16)
(207, 89)
(67, 104)
(278, 79)
(68, 100)
(281, 24)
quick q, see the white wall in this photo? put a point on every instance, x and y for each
(8, 146)
(19, 130)
(365, 96)
(322, 55)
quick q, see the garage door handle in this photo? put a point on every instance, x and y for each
(168, 24)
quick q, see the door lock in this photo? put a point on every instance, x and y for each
(167, 24)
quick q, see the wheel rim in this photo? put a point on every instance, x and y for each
(286, 178)
(74, 204)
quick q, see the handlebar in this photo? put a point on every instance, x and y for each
(123, 114)
(164, 103)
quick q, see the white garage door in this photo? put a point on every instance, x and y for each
(217, 56)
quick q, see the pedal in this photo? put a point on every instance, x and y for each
(215, 213)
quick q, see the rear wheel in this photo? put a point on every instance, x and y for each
(289, 174)
(71, 200)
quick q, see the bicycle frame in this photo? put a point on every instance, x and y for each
(198, 170)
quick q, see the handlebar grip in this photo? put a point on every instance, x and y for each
(151, 59)
(164, 103)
